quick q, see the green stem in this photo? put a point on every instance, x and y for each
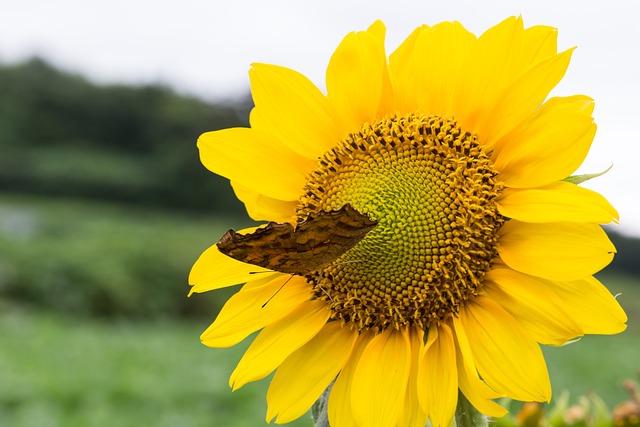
(467, 415)
(319, 410)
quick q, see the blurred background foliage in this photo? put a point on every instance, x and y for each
(104, 204)
(104, 207)
(60, 135)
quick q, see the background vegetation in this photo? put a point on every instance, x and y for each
(104, 207)
(60, 135)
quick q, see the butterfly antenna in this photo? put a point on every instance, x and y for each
(326, 293)
(276, 293)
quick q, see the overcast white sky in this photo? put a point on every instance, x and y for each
(204, 47)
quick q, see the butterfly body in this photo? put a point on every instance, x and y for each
(307, 246)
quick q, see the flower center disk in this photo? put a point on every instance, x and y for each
(432, 190)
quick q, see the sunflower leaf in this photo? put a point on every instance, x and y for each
(579, 179)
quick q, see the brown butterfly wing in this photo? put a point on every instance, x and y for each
(308, 246)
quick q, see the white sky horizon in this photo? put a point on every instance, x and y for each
(205, 48)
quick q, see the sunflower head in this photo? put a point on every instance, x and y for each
(432, 191)
(481, 250)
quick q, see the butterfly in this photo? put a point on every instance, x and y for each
(310, 245)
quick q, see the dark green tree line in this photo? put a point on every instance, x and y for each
(62, 135)
(627, 258)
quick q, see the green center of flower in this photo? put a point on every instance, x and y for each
(432, 190)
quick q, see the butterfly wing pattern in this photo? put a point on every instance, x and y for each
(308, 246)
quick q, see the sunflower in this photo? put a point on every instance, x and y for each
(483, 249)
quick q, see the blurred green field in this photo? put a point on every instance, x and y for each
(102, 259)
(600, 363)
(64, 372)
(56, 370)
(96, 329)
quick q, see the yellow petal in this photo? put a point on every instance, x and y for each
(534, 304)
(547, 148)
(592, 306)
(575, 103)
(438, 376)
(294, 110)
(441, 58)
(358, 84)
(508, 360)
(491, 67)
(402, 71)
(304, 375)
(473, 388)
(215, 270)
(278, 340)
(556, 251)
(386, 104)
(256, 160)
(427, 77)
(380, 380)
(557, 202)
(339, 409)
(264, 208)
(523, 96)
(539, 43)
(246, 312)
(413, 414)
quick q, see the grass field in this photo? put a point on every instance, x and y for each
(59, 371)
(64, 364)
(600, 363)
(102, 259)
